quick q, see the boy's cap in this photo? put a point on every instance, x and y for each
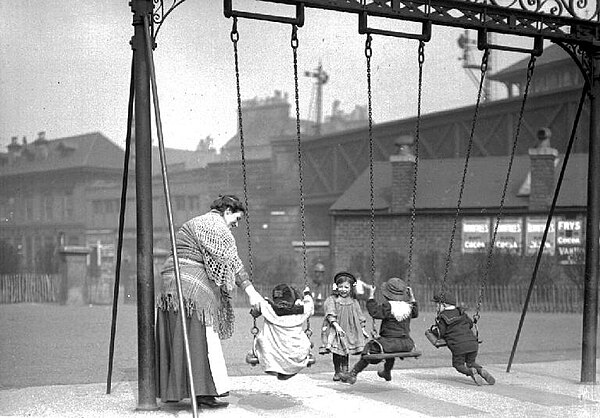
(444, 298)
(394, 289)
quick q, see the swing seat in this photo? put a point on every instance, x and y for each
(440, 342)
(374, 357)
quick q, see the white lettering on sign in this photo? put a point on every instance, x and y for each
(514, 228)
(568, 240)
(538, 225)
(506, 244)
(569, 225)
(474, 244)
(481, 228)
(535, 243)
(570, 250)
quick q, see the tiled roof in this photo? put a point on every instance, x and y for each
(551, 55)
(439, 181)
(92, 150)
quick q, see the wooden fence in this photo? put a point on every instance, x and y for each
(510, 298)
(19, 288)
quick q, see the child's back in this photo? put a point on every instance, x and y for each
(283, 347)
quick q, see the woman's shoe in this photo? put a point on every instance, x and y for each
(211, 402)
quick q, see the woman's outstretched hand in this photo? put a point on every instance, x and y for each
(253, 296)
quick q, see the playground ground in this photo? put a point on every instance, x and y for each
(54, 363)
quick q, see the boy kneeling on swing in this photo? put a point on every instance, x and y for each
(396, 310)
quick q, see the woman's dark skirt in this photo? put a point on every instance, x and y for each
(172, 375)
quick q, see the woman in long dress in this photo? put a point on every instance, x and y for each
(210, 268)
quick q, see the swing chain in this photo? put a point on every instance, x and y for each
(484, 67)
(294, 43)
(368, 54)
(413, 209)
(530, 69)
(234, 39)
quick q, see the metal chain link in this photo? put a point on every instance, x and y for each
(368, 54)
(530, 69)
(234, 39)
(484, 66)
(294, 44)
(413, 209)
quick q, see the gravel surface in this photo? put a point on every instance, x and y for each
(47, 344)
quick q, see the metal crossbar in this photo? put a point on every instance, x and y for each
(558, 20)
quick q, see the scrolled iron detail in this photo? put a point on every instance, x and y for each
(160, 12)
(573, 8)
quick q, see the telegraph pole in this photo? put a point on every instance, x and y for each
(321, 77)
(143, 187)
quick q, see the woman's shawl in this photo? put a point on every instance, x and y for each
(208, 262)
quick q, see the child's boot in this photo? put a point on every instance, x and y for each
(344, 364)
(487, 376)
(337, 367)
(473, 375)
(386, 373)
(350, 377)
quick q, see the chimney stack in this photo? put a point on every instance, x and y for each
(403, 166)
(542, 159)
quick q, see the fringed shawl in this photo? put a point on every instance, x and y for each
(208, 262)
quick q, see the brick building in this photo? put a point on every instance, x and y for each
(528, 199)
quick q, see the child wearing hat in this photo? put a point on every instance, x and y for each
(343, 330)
(455, 326)
(283, 347)
(395, 311)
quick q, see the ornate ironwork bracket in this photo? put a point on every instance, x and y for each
(160, 13)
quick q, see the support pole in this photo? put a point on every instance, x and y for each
(590, 289)
(143, 183)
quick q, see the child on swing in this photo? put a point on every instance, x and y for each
(455, 326)
(283, 347)
(343, 330)
(395, 311)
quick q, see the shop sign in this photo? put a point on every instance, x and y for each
(475, 235)
(509, 236)
(569, 241)
(533, 236)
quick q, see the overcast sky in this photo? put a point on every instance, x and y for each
(65, 68)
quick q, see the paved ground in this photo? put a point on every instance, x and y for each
(531, 390)
(53, 362)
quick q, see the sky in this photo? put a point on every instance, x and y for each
(65, 68)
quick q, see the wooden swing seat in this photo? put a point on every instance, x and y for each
(377, 356)
(399, 354)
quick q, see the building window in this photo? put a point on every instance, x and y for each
(194, 203)
(48, 207)
(68, 206)
(180, 203)
(97, 207)
(28, 201)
